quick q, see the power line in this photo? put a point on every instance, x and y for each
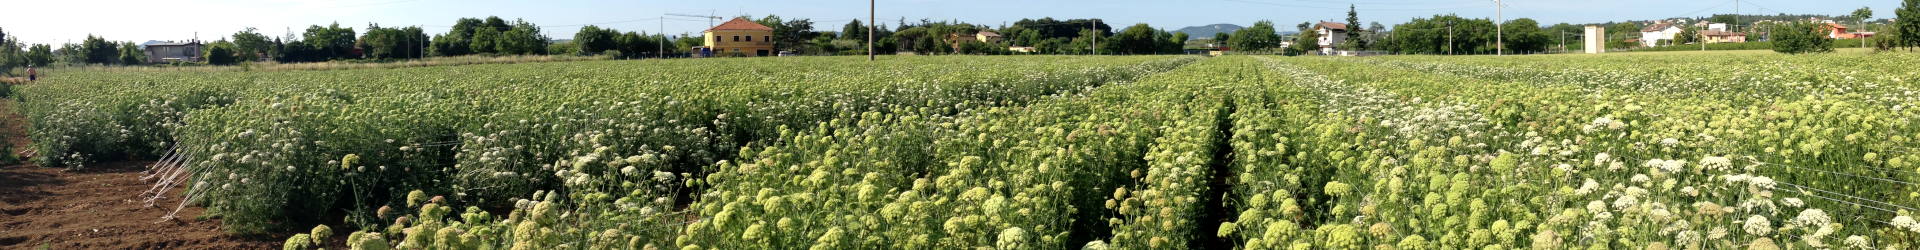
(349, 6)
(1459, 2)
(1703, 10)
(1336, 8)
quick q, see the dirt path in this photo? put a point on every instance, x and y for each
(96, 208)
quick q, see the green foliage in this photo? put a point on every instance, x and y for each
(220, 53)
(593, 39)
(1525, 36)
(524, 39)
(131, 54)
(1141, 39)
(40, 55)
(486, 40)
(854, 30)
(1432, 36)
(790, 35)
(250, 44)
(1304, 43)
(1802, 38)
(1353, 41)
(1907, 24)
(330, 42)
(12, 54)
(97, 50)
(392, 43)
(1260, 37)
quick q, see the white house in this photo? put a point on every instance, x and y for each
(1331, 35)
(1652, 35)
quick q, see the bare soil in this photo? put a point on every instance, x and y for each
(96, 208)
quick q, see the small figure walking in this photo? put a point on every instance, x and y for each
(31, 76)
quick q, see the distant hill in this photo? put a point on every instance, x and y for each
(1207, 31)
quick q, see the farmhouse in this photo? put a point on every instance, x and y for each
(1836, 31)
(1331, 35)
(983, 36)
(1652, 35)
(988, 36)
(740, 37)
(1719, 36)
(174, 52)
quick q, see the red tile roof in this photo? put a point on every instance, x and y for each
(1657, 27)
(1334, 26)
(740, 24)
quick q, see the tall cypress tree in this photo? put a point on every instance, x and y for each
(1353, 29)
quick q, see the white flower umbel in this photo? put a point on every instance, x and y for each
(1758, 226)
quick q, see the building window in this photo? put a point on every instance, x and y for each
(766, 38)
(749, 38)
(736, 38)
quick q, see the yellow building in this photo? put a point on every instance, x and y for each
(983, 36)
(987, 36)
(740, 37)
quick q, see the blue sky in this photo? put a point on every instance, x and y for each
(56, 21)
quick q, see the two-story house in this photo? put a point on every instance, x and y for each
(983, 36)
(1331, 35)
(173, 52)
(1652, 34)
(740, 37)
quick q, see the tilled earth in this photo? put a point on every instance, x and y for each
(99, 207)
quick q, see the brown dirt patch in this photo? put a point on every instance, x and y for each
(96, 208)
(100, 208)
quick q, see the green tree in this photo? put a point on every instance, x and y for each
(98, 50)
(1907, 23)
(1353, 31)
(10, 54)
(220, 53)
(1802, 37)
(789, 35)
(457, 40)
(635, 44)
(389, 43)
(332, 41)
(40, 55)
(1524, 36)
(524, 39)
(131, 54)
(484, 41)
(1304, 43)
(1137, 39)
(251, 43)
(1221, 37)
(1688, 34)
(1624, 30)
(856, 31)
(72, 53)
(1863, 14)
(592, 39)
(1260, 37)
(1178, 42)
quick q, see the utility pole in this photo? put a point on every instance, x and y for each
(662, 53)
(1449, 39)
(1499, 36)
(870, 25)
